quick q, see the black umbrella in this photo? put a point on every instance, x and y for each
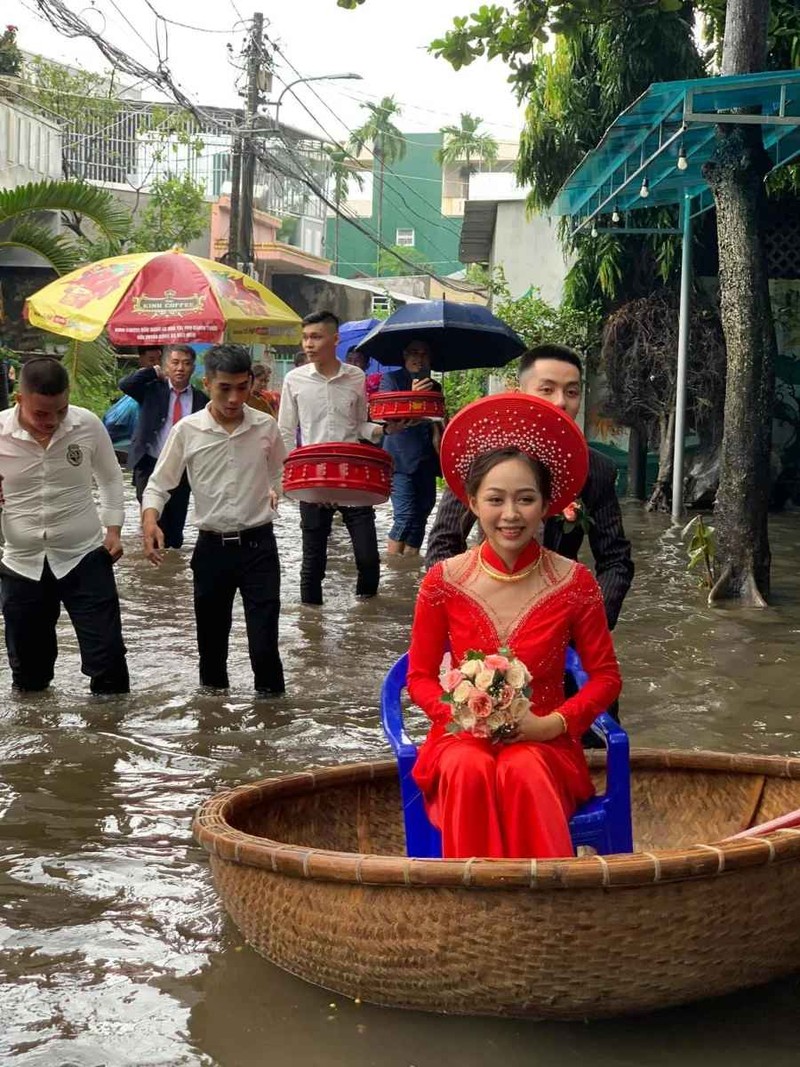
(460, 336)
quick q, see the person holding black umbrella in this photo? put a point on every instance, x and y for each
(415, 455)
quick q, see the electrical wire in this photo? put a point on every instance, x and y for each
(144, 40)
(71, 25)
(327, 106)
(188, 26)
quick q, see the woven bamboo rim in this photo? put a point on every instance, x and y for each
(213, 831)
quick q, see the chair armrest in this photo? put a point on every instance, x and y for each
(618, 759)
(392, 711)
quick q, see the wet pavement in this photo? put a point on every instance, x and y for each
(114, 949)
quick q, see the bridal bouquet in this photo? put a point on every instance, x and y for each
(487, 693)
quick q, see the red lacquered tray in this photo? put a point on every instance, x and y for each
(338, 473)
(407, 404)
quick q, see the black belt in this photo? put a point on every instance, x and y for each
(253, 535)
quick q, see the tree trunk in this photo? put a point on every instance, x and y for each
(736, 174)
(380, 224)
(336, 221)
(637, 463)
(661, 497)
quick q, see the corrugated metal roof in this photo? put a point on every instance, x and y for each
(679, 118)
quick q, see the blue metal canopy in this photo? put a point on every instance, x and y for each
(671, 123)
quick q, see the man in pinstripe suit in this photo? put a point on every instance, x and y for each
(553, 373)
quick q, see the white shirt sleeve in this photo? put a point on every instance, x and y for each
(276, 454)
(108, 477)
(168, 471)
(288, 417)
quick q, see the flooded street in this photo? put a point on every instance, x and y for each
(114, 947)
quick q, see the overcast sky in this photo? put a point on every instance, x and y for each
(384, 43)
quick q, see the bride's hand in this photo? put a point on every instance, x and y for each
(536, 728)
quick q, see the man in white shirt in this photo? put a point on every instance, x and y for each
(55, 549)
(327, 401)
(233, 455)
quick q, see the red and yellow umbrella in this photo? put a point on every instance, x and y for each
(156, 298)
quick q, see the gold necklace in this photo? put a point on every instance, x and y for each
(500, 577)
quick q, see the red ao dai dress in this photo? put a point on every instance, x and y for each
(514, 799)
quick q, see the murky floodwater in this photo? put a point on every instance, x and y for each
(113, 946)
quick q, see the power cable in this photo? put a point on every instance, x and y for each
(188, 26)
(327, 106)
(144, 40)
(72, 25)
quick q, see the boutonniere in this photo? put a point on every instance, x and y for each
(575, 514)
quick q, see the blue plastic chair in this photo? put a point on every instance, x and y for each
(604, 822)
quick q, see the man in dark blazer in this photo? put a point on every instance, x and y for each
(165, 395)
(553, 373)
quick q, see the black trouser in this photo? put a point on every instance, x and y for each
(173, 518)
(315, 522)
(31, 610)
(249, 564)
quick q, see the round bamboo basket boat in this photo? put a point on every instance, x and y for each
(311, 868)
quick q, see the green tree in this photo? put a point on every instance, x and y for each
(390, 265)
(85, 105)
(176, 213)
(387, 144)
(21, 226)
(466, 142)
(10, 55)
(342, 172)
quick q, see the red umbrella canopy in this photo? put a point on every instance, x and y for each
(162, 298)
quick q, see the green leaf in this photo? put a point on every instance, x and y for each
(72, 196)
(56, 249)
(690, 525)
(696, 557)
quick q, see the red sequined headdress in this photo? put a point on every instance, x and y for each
(515, 420)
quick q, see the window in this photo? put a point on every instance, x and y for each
(381, 302)
(404, 238)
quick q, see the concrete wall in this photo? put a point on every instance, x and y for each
(305, 295)
(30, 151)
(30, 147)
(529, 252)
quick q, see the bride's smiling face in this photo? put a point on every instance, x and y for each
(510, 506)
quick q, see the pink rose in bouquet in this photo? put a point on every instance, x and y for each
(486, 693)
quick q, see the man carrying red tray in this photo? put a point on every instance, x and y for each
(325, 399)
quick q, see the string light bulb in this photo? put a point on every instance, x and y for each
(644, 192)
(615, 214)
(594, 230)
(683, 162)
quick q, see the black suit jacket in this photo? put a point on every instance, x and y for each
(152, 395)
(611, 549)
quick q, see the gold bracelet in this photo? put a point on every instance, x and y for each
(564, 722)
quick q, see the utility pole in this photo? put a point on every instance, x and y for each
(233, 257)
(254, 61)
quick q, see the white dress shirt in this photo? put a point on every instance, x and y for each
(231, 474)
(49, 510)
(184, 398)
(325, 409)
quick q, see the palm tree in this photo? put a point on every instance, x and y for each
(388, 145)
(342, 170)
(466, 141)
(21, 226)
